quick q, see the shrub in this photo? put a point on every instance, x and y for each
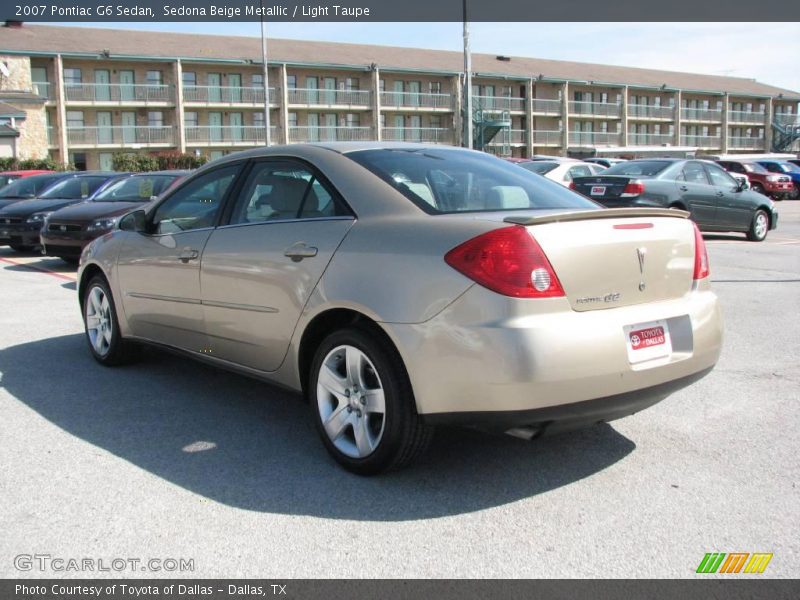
(14, 164)
(139, 163)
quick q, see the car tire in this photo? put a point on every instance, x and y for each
(20, 248)
(354, 376)
(759, 226)
(757, 187)
(101, 326)
(795, 193)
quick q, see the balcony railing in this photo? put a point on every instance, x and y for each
(743, 116)
(429, 135)
(416, 100)
(595, 109)
(548, 138)
(702, 141)
(509, 136)
(650, 139)
(321, 97)
(43, 89)
(787, 119)
(120, 135)
(246, 135)
(591, 138)
(645, 111)
(498, 103)
(744, 142)
(701, 114)
(329, 134)
(543, 106)
(117, 92)
(206, 94)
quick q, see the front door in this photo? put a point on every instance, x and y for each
(312, 85)
(313, 127)
(159, 272)
(102, 85)
(214, 87)
(236, 126)
(127, 81)
(283, 231)
(215, 126)
(733, 210)
(105, 133)
(329, 95)
(128, 127)
(699, 196)
(413, 93)
(234, 87)
(106, 161)
(415, 121)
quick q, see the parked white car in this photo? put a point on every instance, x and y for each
(562, 171)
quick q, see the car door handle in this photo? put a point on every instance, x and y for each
(683, 188)
(299, 251)
(720, 194)
(188, 254)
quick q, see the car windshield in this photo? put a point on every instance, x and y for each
(754, 168)
(139, 188)
(6, 179)
(540, 167)
(442, 181)
(28, 187)
(75, 188)
(638, 168)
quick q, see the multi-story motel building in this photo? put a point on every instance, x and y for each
(92, 92)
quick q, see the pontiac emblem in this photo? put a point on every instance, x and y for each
(641, 253)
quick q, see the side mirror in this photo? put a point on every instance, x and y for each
(135, 221)
(741, 185)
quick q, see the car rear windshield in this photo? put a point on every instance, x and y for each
(540, 167)
(140, 188)
(638, 168)
(28, 187)
(444, 181)
(75, 188)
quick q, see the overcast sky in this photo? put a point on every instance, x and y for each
(767, 52)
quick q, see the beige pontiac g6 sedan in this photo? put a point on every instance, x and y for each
(400, 286)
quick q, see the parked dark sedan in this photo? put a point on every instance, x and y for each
(21, 222)
(69, 230)
(29, 187)
(714, 199)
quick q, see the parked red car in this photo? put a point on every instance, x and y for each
(7, 177)
(762, 181)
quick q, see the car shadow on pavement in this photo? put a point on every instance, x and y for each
(253, 446)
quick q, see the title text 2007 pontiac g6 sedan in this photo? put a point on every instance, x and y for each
(401, 286)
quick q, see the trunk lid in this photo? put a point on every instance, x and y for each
(617, 257)
(601, 187)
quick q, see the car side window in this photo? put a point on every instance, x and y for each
(720, 178)
(196, 204)
(693, 172)
(772, 167)
(580, 171)
(284, 190)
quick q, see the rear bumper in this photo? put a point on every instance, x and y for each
(467, 367)
(778, 188)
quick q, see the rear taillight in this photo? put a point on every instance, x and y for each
(634, 188)
(508, 261)
(701, 269)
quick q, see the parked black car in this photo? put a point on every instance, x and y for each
(21, 222)
(69, 230)
(716, 201)
(29, 187)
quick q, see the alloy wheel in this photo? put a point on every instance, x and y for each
(99, 323)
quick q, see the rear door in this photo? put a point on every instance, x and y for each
(697, 193)
(259, 269)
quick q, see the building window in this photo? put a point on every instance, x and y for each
(189, 78)
(353, 120)
(257, 80)
(190, 119)
(382, 85)
(292, 119)
(72, 76)
(154, 78)
(258, 119)
(604, 97)
(155, 118)
(74, 118)
(291, 81)
(435, 87)
(435, 121)
(351, 83)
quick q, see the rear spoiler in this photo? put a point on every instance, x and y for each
(608, 213)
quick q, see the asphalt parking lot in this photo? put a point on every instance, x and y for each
(171, 459)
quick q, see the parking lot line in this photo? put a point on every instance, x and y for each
(38, 268)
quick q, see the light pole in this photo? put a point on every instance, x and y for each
(266, 73)
(467, 83)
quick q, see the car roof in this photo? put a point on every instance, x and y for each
(28, 172)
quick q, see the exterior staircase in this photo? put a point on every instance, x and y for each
(487, 125)
(785, 135)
